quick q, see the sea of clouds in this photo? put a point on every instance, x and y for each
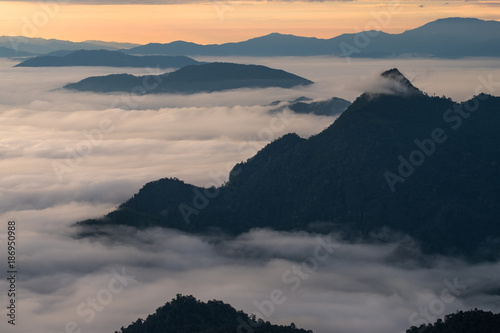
(67, 156)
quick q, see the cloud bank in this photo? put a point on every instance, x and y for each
(109, 150)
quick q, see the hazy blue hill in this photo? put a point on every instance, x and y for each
(199, 78)
(452, 38)
(108, 83)
(185, 314)
(467, 28)
(60, 53)
(445, 38)
(106, 58)
(10, 53)
(276, 44)
(449, 200)
(44, 46)
(173, 48)
(115, 45)
(269, 45)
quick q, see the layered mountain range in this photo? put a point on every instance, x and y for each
(444, 38)
(106, 58)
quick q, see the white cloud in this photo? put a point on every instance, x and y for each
(361, 287)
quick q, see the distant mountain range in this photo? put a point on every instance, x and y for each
(444, 38)
(106, 58)
(423, 166)
(43, 46)
(9, 53)
(193, 79)
(186, 314)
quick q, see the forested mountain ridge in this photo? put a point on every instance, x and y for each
(473, 321)
(186, 314)
(424, 166)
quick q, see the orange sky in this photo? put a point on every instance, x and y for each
(221, 21)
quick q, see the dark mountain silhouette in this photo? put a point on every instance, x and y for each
(10, 53)
(473, 321)
(192, 79)
(420, 165)
(106, 58)
(400, 85)
(444, 38)
(186, 314)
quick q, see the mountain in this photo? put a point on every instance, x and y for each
(274, 44)
(115, 45)
(452, 38)
(443, 38)
(398, 84)
(44, 46)
(106, 58)
(186, 314)
(419, 165)
(9, 53)
(60, 53)
(193, 79)
(473, 321)
(331, 107)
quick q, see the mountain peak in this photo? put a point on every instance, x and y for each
(399, 84)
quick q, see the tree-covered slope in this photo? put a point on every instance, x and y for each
(453, 37)
(473, 321)
(186, 314)
(425, 166)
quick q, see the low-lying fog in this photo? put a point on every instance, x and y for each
(68, 156)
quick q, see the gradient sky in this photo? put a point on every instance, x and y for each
(222, 21)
